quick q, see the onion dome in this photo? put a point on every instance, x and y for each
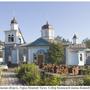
(13, 21)
(46, 26)
(74, 37)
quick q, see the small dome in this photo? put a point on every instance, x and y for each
(46, 26)
(13, 20)
(75, 36)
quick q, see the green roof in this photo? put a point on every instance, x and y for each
(39, 42)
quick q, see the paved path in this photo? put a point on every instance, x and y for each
(9, 78)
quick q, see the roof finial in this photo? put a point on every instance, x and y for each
(47, 23)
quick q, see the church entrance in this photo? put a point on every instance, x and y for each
(40, 59)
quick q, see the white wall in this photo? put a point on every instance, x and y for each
(73, 57)
(14, 26)
(32, 50)
(1, 59)
(47, 33)
(81, 63)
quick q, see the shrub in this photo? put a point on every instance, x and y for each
(51, 80)
(29, 73)
(87, 80)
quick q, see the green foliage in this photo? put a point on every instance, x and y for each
(55, 53)
(51, 80)
(87, 80)
(60, 39)
(29, 73)
(87, 42)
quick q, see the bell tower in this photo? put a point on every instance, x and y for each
(13, 39)
(14, 35)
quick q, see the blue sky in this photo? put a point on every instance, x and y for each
(67, 18)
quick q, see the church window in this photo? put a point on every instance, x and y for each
(80, 57)
(9, 38)
(12, 38)
(34, 56)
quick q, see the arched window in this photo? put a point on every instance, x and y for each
(12, 38)
(9, 38)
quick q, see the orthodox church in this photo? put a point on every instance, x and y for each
(16, 51)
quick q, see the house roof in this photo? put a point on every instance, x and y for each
(39, 42)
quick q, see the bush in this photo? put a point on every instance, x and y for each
(87, 80)
(51, 80)
(29, 73)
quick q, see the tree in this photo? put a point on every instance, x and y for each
(60, 39)
(55, 53)
(87, 42)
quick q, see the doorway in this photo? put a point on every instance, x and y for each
(40, 59)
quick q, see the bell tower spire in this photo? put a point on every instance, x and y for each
(14, 24)
(74, 39)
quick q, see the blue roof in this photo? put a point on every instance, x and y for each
(39, 42)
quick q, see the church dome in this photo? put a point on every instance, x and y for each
(13, 20)
(74, 36)
(46, 26)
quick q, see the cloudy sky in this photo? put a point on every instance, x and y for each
(67, 18)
